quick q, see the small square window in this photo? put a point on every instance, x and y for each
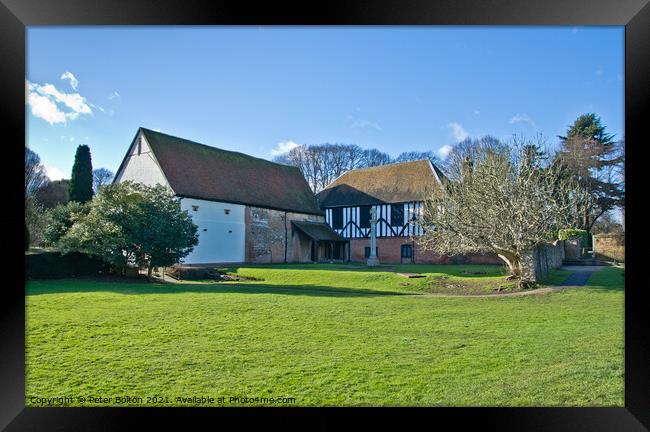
(407, 251)
(226, 211)
(367, 251)
(195, 208)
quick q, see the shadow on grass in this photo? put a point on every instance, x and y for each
(87, 286)
(456, 270)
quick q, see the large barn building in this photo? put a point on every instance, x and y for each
(397, 192)
(247, 209)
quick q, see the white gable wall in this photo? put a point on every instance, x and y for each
(141, 165)
(221, 236)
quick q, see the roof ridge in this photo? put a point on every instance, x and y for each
(217, 148)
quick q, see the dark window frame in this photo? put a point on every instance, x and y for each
(406, 247)
(400, 210)
(337, 218)
(366, 251)
(364, 216)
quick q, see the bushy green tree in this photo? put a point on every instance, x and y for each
(81, 181)
(133, 223)
(61, 218)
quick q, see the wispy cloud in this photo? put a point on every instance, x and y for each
(46, 102)
(458, 131)
(284, 147)
(113, 95)
(476, 112)
(358, 123)
(444, 151)
(74, 82)
(523, 118)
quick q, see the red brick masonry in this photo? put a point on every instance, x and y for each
(389, 251)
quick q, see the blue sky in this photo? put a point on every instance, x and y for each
(260, 90)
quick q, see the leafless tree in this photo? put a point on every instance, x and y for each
(101, 177)
(505, 202)
(416, 155)
(321, 164)
(35, 176)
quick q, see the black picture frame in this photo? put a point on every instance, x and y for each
(15, 15)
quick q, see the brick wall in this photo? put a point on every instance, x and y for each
(610, 247)
(267, 231)
(389, 251)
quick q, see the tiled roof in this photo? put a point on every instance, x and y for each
(318, 231)
(393, 183)
(196, 170)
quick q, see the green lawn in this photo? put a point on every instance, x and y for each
(329, 335)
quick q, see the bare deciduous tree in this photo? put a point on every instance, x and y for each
(321, 164)
(35, 176)
(505, 202)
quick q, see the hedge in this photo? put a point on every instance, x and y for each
(54, 265)
(569, 233)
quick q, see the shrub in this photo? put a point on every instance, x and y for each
(133, 223)
(60, 220)
(569, 233)
(54, 265)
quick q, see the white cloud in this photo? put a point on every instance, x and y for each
(46, 102)
(458, 132)
(54, 173)
(113, 95)
(74, 82)
(477, 112)
(42, 107)
(523, 118)
(284, 147)
(444, 151)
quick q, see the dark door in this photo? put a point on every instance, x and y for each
(314, 251)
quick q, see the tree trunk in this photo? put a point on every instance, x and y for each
(149, 271)
(513, 262)
(517, 271)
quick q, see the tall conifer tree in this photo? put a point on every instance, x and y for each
(81, 181)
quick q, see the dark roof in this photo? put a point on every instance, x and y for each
(393, 183)
(196, 170)
(318, 231)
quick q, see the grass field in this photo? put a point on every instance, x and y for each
(327, 335)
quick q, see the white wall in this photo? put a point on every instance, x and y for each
(141, 166)
(222, 236)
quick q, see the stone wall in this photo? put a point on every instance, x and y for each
(389, 251)
(542, 259)
(573, 248)
(610, 247)
(268, 231)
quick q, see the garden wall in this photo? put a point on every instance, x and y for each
(543, 259)
(610, 247)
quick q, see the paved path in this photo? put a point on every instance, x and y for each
(579, 278)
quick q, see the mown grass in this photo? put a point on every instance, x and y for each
(326, 338)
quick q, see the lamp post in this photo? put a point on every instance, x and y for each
(372, 259)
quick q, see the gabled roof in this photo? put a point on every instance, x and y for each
(385, 184)
(318, 231)
(199, 171)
